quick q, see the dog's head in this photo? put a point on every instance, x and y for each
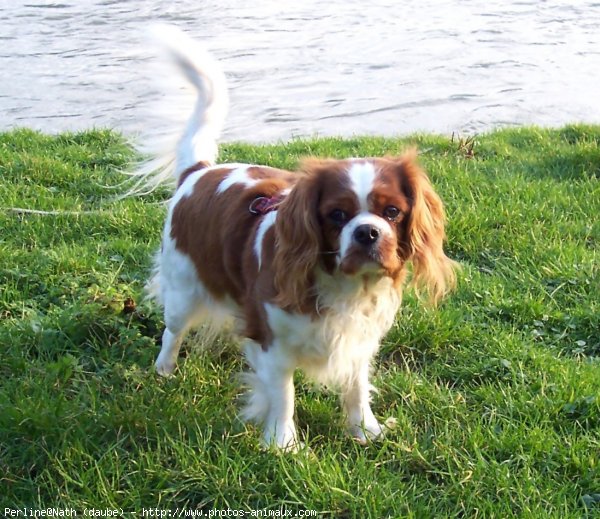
(361, 217)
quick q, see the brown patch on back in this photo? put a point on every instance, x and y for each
(217, 231)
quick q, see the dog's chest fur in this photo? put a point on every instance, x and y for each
(354, 314)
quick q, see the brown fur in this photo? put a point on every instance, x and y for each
(214, 230)
(433, 272)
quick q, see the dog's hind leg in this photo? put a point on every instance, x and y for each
(167, 358)
(182, 311)
(176, 327)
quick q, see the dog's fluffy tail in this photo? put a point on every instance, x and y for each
(167, 159)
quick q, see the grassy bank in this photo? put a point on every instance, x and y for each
(496, 394)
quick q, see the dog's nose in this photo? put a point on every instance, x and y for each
(366, 234)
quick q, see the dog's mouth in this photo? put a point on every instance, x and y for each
(360, 261)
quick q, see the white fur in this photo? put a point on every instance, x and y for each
(267, 222)
(187, 187)
(199, 139)
(364, 218)
(270, 399)
(237, 176)
(356, 398)
(335, 349)
(362, 176)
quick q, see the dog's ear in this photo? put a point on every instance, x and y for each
(298, 242)
(433, 272)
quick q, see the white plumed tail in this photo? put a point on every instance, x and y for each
(166, 157)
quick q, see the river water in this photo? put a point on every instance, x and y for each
(298, 68)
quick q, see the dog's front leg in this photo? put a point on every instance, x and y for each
(360, 419)
(279, 427)
(271, 395)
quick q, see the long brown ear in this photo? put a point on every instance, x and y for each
(433, 272)
(297, 244)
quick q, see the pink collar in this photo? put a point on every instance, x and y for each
(264, 204)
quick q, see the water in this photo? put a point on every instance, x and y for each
(340, 67)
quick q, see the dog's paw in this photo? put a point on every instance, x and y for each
(164, 368)
(367, 432)
(293, 447)
(282, 438)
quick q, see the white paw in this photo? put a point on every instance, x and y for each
(366, 432)
(282, 438)
(164, 367)
(291, 447)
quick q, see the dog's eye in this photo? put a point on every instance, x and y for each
(391, 213)
(338, 216)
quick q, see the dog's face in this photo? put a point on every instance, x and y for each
(362, 208)
(360, 217)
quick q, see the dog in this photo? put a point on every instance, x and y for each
(306, 267)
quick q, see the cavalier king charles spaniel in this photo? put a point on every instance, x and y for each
(306, 267)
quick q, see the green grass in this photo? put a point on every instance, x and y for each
(496, 393)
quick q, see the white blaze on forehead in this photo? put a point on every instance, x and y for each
(237, 176)
(362, 176)
(263, 227)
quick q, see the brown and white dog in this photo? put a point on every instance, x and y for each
(307, 267)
